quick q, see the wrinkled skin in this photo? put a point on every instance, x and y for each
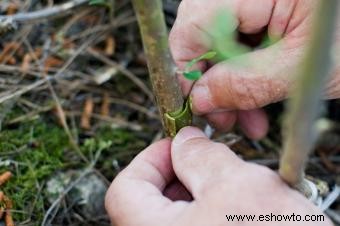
(227, 93)
(214, 182)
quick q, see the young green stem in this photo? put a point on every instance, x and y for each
(304, 107)
(161, 66)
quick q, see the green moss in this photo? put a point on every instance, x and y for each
(32, 153)
(35, 150)
(124, 145)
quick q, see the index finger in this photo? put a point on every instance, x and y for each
(197, 22)
(193, 33)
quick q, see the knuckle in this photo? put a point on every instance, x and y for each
(242, 91)
(248, 93)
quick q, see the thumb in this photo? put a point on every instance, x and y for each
(247, 82)
(198, 161)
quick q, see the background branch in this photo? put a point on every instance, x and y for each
(11, 21)
(304, 107)
(47, 13)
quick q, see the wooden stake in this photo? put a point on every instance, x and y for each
(305, 106)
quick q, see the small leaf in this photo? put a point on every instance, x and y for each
(207, 56)
(193, 75)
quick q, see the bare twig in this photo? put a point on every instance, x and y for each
(87, 113)
(335, 216)
(11, 21)
(5, 177)
(105, 106)
(48, 78)
(55, 204)
(134, 106)
(305, 104)
(331, 198)
(117, 122)
(59, 108)
(8, 217)
(275, 162)
(123, 70)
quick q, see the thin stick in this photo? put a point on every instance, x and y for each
(161, 66)
(44, 14)
(123, 70)
(304, 107)
(56, 76)
(51, 210)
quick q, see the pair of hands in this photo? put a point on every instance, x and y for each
(194, 181)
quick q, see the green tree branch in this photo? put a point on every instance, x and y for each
(160, 63)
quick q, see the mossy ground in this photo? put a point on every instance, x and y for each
(33, 151)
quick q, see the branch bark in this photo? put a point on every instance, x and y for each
(304, 107)
(160, 63)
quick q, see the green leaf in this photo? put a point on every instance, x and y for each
(193, 75)
(207, 56)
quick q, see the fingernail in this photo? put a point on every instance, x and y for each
(186, 134)
(201, 99)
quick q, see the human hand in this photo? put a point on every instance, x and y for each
(214, 183)
(230, 92)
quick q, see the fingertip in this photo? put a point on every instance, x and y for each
(186, 134)
(191, 154)
(222, 121)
